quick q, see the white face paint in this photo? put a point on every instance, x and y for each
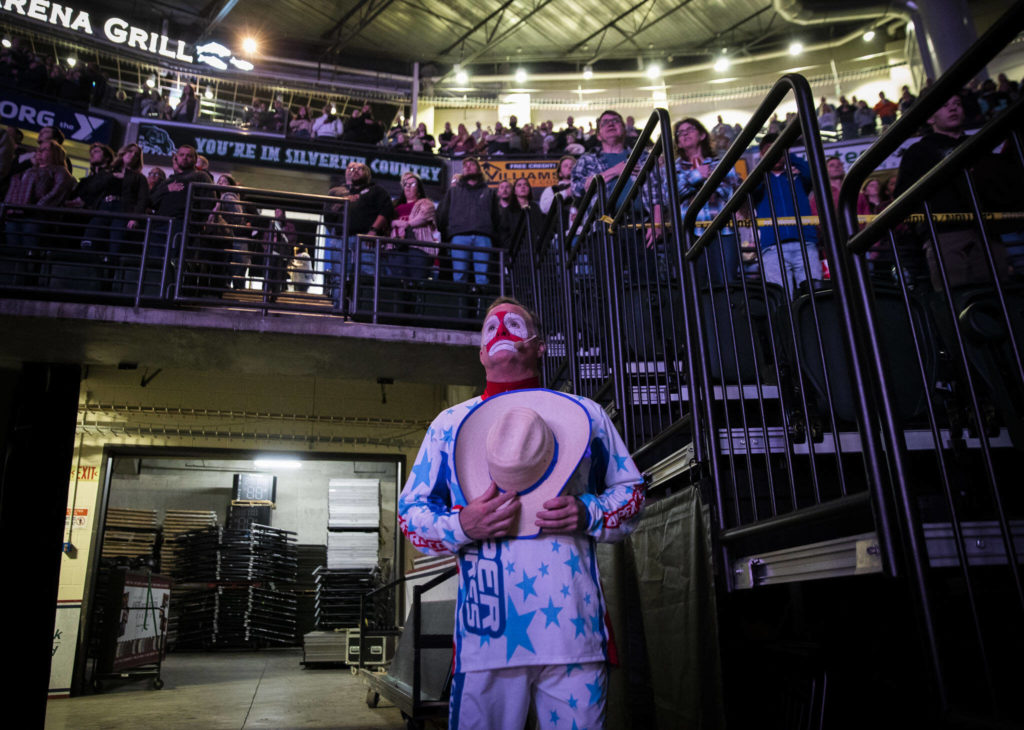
(502, 330)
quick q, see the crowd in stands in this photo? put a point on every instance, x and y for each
(36, 73)
(471, 215)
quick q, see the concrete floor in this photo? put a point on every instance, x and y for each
(265, 689)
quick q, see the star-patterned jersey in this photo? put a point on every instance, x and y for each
(524, 601)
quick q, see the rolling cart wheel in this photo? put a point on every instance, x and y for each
(372, 698)
(158, 683)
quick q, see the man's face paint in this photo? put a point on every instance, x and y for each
(502, 330)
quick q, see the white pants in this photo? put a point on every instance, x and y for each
(562, 696)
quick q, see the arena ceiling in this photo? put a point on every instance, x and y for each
(551, 35)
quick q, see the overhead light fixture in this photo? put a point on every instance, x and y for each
(277, 463)
(334, 109)
(869, 36)
(796, 48)
(151, 82)
(250, 45)
(653, 71)
(722, 64)
(208, 94)
(461, 77)
(588, 72)
(520, 75)
(6, 42)
(72, 61)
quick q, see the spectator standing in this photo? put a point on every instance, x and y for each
(694, 164)
(422, 140)
(864, 118)
(369, 213)
(562, 187)
(886, 109)
(155, 176)
(782, 251)
(416, 221)
(446, 137)
(997, 185)
(827, 117)
(906, 99)
(187, 109)
(463, 143)
(523, 206)
(871, 199)
(327, 125)
(45, 184)
(301, 126)
(846, 113)
(468, 215)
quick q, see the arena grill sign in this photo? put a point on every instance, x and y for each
(123, 33)
(254, 149)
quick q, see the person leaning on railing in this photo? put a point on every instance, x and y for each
(45, 184)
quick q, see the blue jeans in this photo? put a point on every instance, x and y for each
(480, 258)
(711, 261)
(791, 274)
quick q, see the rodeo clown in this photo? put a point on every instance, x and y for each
(520, 483)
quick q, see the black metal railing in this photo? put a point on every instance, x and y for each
(939, 256)
(244, 248)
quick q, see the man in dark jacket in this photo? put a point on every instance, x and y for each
(996, 183)
(468, 215)
(369, 213)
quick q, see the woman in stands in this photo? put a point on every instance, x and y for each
(328, 125)
(871, 199)
(562, 188)
(422, 141)
(228, 219)
(188, 108)
(416, 221)
(463, 143)
(522, 206)
(694, 164)
(301, 125)
(155, 176)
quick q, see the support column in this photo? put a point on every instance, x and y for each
(40, 405)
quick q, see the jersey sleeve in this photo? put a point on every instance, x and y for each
(428, 510)
(616, 492)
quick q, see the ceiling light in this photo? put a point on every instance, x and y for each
(334, 109)
(653, 71)
(869, 36)
(151, 82)
(6, 42)
(588, 72)
(208, 93)
(722, 64)
(250, 45)
(72, 61)
(796, 48)
(520, 75)
(461, 77)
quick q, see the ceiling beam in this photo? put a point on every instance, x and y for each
(465, 36)
(495, 40)
(216, 14)
(607, 26)
(371, 11)
(641, 29)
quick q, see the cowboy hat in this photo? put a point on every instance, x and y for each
(529, 441)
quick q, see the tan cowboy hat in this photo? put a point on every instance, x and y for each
(528, 441)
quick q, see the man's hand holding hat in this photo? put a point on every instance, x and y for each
(492, 514)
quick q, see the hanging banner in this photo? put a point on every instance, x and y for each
(32, 113)
(540, 173)
(280, 152)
